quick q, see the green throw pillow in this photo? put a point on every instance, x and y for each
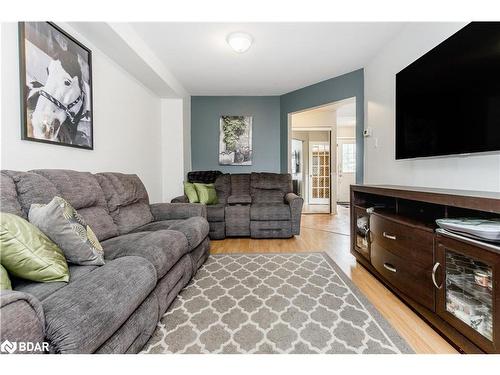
(206, 193)
(190, 192)
(68, 229)
(4, 279)
(28, 253)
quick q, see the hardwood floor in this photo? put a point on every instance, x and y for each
(330, 233)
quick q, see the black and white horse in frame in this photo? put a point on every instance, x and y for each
(64, 99)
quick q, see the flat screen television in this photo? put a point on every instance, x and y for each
(448, 101)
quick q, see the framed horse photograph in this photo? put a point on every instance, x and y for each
(56, 86)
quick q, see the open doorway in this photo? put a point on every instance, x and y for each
(322, 160)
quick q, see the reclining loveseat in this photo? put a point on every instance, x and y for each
(259, 205)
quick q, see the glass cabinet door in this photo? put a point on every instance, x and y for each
(362, 231)
(467, 296)
(468, 290)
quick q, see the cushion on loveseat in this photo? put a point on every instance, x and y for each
(83, 315)
(270, 187)
(162, 248)
(127, 200)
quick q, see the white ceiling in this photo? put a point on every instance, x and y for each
(284, 56)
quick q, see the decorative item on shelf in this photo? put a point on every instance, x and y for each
(480, 229)
(482, 278)
(56, 86)
(235, 140)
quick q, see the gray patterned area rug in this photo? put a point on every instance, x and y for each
(273, 303)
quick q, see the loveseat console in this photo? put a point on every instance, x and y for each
(451, 281)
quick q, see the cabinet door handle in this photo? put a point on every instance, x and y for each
(390, 267)
(389, 236)
(434, 269)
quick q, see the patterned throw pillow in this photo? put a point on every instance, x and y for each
(68, 229)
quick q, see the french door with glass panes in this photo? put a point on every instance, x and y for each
(319, 172)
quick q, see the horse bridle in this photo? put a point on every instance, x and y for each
(73, 117)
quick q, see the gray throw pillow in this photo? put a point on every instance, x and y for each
(67, 228)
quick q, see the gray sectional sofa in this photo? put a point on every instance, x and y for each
(259, 205)
(151, 250)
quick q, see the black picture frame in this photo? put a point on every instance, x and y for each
(24, 90)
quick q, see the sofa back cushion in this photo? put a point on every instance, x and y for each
(270, 187)
(240, 184)
(127, 200)
(223, 187)
(80, 189)
(8, 196)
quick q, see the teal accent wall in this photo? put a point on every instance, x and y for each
(270, 123)
(205, 114)
(342, 87)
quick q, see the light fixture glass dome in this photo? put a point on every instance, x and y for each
(239, 42)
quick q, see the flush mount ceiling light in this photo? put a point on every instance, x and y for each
(239, 42)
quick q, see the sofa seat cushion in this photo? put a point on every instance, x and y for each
(43, 290)
(163, 248)
(83, 315)
(270, 211)
(215, 213)
(239, 199)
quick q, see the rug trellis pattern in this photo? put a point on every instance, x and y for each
(272, 303)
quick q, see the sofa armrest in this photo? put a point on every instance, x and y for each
(172, 211)
(22, 320)
(180, 199)
(295, 202)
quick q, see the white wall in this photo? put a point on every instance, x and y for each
(186, 119)
(475, 172)
(346, 132)
(314, 118)
(127, 122)
(173, 140)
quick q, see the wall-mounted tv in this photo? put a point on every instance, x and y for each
(448, 101)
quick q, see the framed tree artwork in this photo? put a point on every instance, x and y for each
(56, 86)
(235, 140)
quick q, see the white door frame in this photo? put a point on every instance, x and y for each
(339, 161)
(310, 198)
(333, 155)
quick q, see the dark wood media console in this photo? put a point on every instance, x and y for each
(451, 281)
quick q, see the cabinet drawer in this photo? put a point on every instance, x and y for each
(407, 242)
(408, 277)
